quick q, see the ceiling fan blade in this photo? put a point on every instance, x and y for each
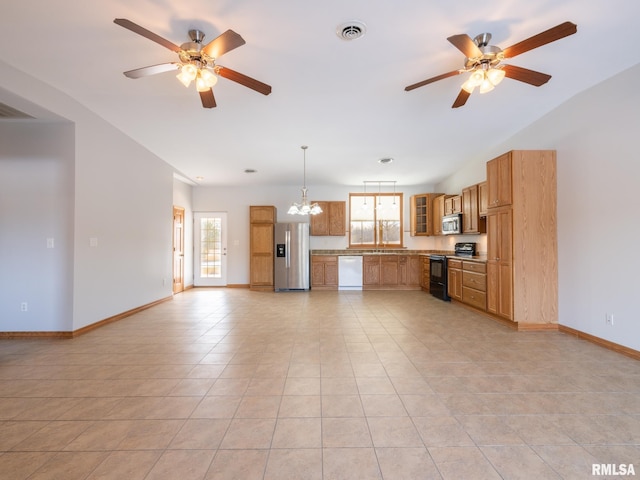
(466, 45)
(223, 44)
(432, 79)
(556, 33)
(525, 75)
(128, 24)
(461, 99)
(208, 100)
(151, 70)
(237, 77)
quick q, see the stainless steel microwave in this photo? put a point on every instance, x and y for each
(452, 224)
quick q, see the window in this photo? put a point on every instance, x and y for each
(210, 247)
(375, 220)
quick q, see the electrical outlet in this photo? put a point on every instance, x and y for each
(24, 306)
(609, 318)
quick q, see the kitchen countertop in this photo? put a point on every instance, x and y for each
(475, 258)
(382, 251)
(398, 251)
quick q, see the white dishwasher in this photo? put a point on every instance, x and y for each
(350, 272)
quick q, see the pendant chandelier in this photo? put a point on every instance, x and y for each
(304, 208)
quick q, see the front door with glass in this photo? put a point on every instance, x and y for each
(210, 249)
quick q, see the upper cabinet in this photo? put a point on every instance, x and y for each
(483, 199)
(438, 213)
(262, 214)
(422, 218)
(499, 181)
(453, 204)
(471, 221)
(332, 220)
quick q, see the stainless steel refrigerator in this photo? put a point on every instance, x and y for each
(291, 263)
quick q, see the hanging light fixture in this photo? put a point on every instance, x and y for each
(304, 208)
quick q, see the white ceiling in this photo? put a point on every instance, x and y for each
(346, 100)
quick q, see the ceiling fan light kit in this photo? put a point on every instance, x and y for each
(197, 61)
(485, 78)
(483, 61)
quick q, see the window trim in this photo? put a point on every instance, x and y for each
(377, 245)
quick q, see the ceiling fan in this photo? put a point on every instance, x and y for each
(483, 61)
(197, 61)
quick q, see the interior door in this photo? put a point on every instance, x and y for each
(210, 249)
(178, 249)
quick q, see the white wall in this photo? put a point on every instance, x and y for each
(124, 199)
(36, 204)
(595, 135)
(122, 196)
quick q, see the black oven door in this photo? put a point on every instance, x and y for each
(438, 276)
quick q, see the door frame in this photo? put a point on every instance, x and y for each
(199, 281)
(178, 249)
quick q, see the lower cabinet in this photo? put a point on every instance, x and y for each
(474, 284)
(392, 272)
(370, 271)
(467, 282)
(425, 277)
(324, 272)
(454, 279)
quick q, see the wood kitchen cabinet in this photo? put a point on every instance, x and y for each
(438, 213)
(471, 221)
(414, 271)
(261, 227)
(453, 204)
(467, 282)
(499, 181)
(454, 279)
(324, 272)
(425, 281)
(391, 272)
(499, 254)
(370, 270)
(523, 288)
(474, 284)
(262, 214)
(422, 219)
(483, 199)
(332, 220)
(409, 270)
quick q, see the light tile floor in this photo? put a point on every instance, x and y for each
(234, 384)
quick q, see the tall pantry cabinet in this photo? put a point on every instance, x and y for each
(261, 238)
(522, 255)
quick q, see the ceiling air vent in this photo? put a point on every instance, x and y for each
(9, 112)
(351, 30)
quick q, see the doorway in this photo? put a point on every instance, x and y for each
(178, 249)
(210, 249)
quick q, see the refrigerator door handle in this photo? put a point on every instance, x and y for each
(287, 242)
